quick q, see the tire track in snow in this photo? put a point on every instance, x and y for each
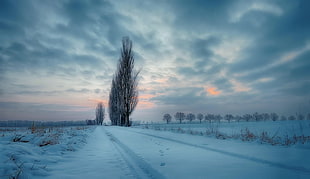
(240, 156)
(137, 165)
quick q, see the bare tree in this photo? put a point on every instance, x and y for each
(291, 117)
(90, 122)
(190, 117)
(274, 116)
(114, 103)
(238, 118)
(228, 117)
(218, 117)
(247, 117)
(300, 116)
(283, 118)
(100, 113)
(124, 89)
(128, 80)
(257, 117)
(179, 116)
(209, 117)
(266, 116)
(199, 117)
(167, 118)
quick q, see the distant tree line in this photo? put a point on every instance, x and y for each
(90, 122)
(25, 123)
(123, 96)
(180, 116)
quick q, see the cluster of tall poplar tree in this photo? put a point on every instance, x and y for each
(99, 113)
(123, 96)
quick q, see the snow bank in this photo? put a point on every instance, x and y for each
(176, 155)
(27, 152)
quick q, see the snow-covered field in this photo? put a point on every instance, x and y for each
(268, 132)
(138, 152)
(26, 152)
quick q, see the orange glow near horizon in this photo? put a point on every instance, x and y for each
(162, 80)
(146, 96)
(82, 103)
(94, 101)
(213, 91)
(144, 102)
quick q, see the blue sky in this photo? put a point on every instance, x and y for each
(57, 58)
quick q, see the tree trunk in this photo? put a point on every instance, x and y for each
(127, 120)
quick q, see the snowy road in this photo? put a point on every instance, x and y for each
(116, 152)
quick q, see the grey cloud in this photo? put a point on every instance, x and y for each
(201, 58)
(294, 73)
(39, 111)
(12, 31)
(182, 100)
(223, 84)
(299, 69)
(179, 61)
(53, 60)
(14, 12)
(190, 15)
(80, 40)
(202, 75)
(181, 96)
(88, 61)
(82, 19)
(301, 89)
(280, 35)
(201, 49)
(94, 17)
(188, 71)
(84, 90)
(97, 91)
(100, 77)
(33, 92)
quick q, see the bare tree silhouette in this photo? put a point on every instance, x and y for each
(100, 113)
(124, 89)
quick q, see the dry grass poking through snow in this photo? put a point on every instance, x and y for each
(282, 133)
(26, 152)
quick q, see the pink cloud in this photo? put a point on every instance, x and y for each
(213, 91)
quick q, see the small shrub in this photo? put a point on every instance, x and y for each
(247, 135)
(48, 142)
(18, 138)
(220, 136)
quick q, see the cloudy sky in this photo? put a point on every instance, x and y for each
(57, 57)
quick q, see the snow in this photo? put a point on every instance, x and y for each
(119, 152)
(281, 132)
(35, 150)
(187, 156)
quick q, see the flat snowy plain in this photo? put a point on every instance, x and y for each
(140, 152)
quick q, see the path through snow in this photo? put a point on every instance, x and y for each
(104, 156)
(116, 152)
